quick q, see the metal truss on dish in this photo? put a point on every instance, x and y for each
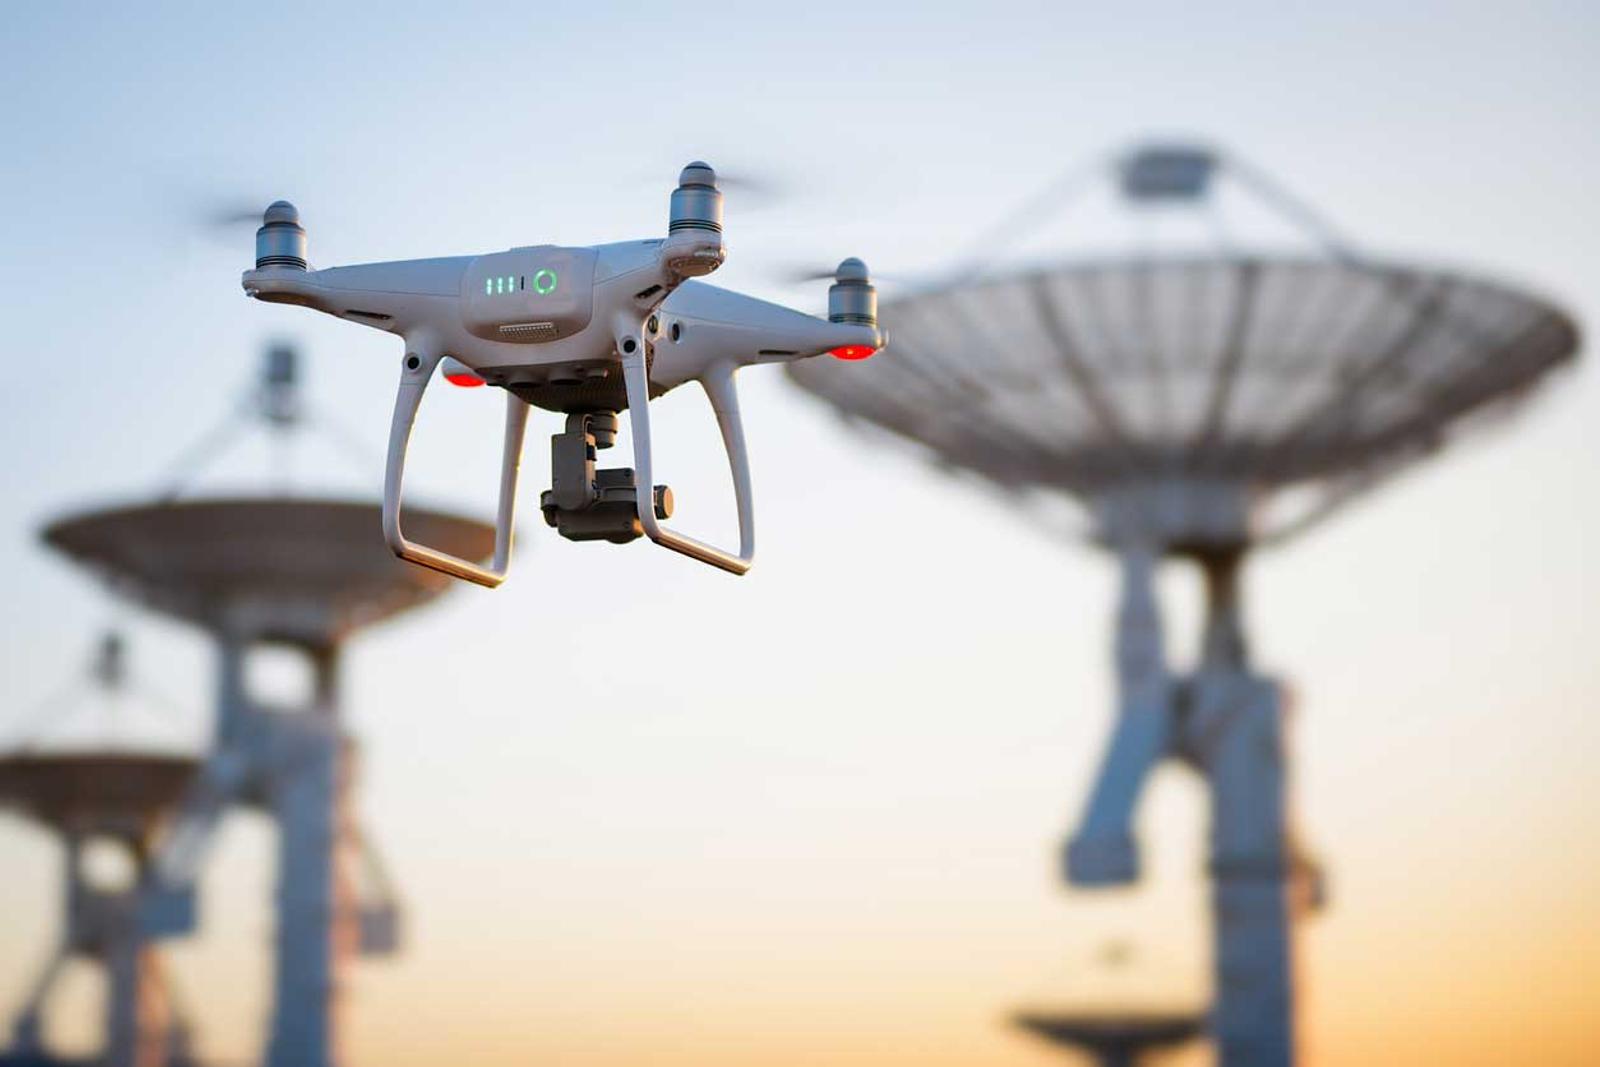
(1198, 404)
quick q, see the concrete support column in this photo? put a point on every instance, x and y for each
(1223, 642)
(232, 700)
(1234, 730)
(1252, 1017)
(317, 928)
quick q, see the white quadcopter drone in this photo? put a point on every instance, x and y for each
(584, 331)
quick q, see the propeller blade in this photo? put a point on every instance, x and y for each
(223, 213)
(805, 273)
(801, 275)
(199, 219)
(227, 217)
(745, 188)
(762, 186)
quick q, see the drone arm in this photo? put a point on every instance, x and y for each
(416, 371)
(718, 383)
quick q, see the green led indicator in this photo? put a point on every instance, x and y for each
(543, 282)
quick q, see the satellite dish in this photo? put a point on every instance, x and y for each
(1197, 404)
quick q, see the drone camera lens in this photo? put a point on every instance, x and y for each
(412, 363)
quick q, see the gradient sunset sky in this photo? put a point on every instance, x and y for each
(819, 823)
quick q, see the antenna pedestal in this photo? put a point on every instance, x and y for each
(1225, 722)
(296, 764)
(1232, 734)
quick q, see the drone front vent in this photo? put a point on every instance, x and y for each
(529, 332)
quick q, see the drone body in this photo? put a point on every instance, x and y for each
(584, 331)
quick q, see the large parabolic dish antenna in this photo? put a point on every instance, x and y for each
(1197, 403)
(304, 570)
(1253, 371)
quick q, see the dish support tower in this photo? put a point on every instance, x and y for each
(297, 573)
(1224, 720)
(108, 797)
(292, 761)
(295, 764)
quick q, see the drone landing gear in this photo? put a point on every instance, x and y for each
(588, 504)
(415, 370)
(717, 380)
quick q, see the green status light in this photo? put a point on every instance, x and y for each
(544, 283)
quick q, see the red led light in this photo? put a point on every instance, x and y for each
(466, 381)
(852, 352)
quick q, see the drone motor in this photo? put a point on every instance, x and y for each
(696, 204)
(281, 240)
(853, 299)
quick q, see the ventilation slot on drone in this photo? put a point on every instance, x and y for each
(777, 352)
(531, 332)
(645, 293)
(370, 316)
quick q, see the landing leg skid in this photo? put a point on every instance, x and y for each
(718, 384)
(416, 369)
